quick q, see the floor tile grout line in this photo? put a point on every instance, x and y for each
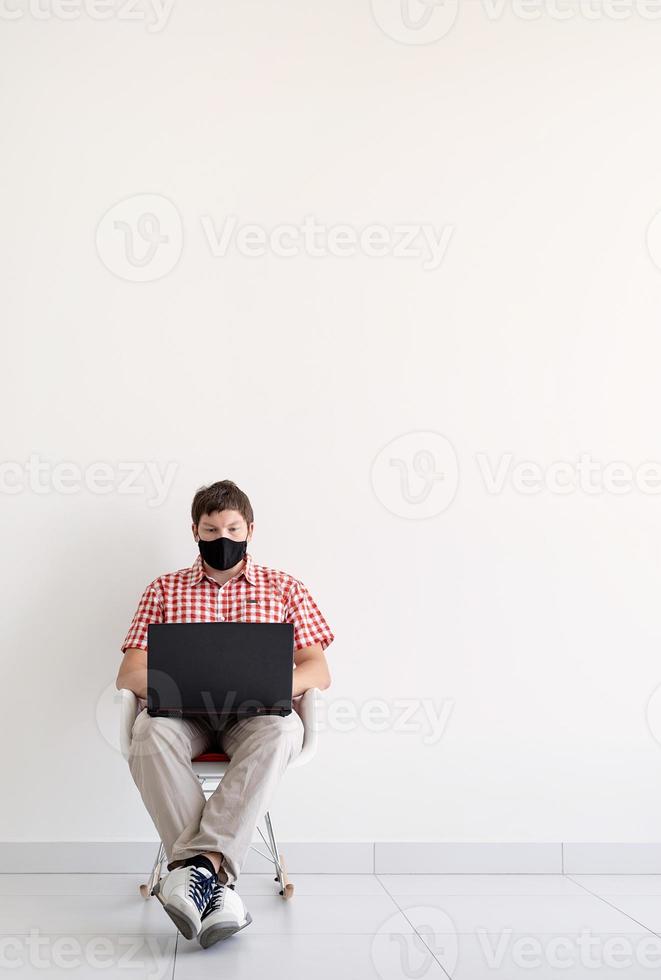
(420, 936)
(174, 958)
(521, 894)
(610, 904)
(467, 874)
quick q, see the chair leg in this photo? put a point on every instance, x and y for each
(147, 890)
(286, 887)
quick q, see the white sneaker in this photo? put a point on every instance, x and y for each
(224, 915)
(184, 893)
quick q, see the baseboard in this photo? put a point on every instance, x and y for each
(340, 857)
(614, 859)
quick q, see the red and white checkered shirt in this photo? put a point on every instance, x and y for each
(256, 595)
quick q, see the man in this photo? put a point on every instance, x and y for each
(206, 841)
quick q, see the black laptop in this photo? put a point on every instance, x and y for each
(220, 669)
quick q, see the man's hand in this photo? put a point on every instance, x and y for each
(311, 669)
(133, 672)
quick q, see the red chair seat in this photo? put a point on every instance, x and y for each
(212, 757)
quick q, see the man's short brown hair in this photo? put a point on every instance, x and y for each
(224, 495)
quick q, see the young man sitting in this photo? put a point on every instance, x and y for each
(206, 841)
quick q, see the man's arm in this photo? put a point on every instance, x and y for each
(133, 668)
(312, 635)
(311, 669)
(133, 672)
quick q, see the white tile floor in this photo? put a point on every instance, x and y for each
(343, 927)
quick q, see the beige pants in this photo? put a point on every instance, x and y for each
(260, 749)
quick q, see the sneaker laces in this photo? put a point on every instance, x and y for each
(217, 899)
(200, 886)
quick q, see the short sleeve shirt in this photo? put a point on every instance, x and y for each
(256, 595)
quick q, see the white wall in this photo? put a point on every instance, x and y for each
(533, 617)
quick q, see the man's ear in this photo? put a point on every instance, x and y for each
(194, 528)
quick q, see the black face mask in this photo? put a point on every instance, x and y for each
(222, 553)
